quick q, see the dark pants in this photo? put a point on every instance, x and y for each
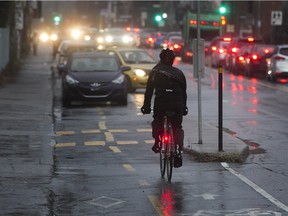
(176, 120)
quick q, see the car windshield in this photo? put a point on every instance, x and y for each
(137, 57)
(100, 64)
(284, 51)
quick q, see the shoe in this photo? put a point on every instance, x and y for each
(156, 148)
(178, 160)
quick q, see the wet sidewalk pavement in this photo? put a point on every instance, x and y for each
(26, 138)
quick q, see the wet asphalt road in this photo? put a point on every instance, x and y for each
(101, 161)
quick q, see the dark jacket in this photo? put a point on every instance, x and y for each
(170, 87)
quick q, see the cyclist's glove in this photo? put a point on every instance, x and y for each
(185, 111)
(145, 110)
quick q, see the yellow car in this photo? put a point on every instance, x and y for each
(141, 64)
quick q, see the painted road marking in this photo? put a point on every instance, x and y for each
(149, 141)
(126, 142)
(144, 130)
(115, 149)
(118, 131)
(143, 183)
(60, 133)
(255, 187)
(109, 137)
(128, 167)
(71, 144)
(206, 196)
(94, 143)
(90, 131)
(156, 204)
(102, 125)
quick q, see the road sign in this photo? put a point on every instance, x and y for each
(276, 18)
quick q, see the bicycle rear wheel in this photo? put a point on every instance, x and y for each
(170, 162)
(163, 161)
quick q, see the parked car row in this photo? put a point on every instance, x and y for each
(249, 56)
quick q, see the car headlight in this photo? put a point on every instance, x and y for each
(126, 39)
(119, 79)
(54, 37)
(87, 37)
(100, 40)
(139, 72)
(71, 80)
(109, 39)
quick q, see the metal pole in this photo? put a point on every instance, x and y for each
(200, 141)
(220, 108)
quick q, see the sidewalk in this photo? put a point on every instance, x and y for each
(26, 138)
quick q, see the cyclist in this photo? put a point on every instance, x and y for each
(169, 84)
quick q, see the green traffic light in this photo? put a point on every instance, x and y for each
(158, 18)
(222, 10)
(57, 18)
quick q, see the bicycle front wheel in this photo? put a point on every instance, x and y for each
(169, 163)
(163, 161)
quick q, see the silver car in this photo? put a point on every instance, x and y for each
(278, 64)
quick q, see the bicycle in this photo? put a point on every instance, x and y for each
(167, 147)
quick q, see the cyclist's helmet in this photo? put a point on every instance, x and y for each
(167, 56)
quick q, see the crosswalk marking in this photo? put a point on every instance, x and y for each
(143, 183)
(149, 141)
(102, 125)
(118, 131)
(144, 130)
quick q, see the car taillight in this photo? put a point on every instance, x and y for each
(241, 58)
(221, 51)
(189, 54)
(150, 39)
(255, 57)
(234, 49)
(213, 48)
(176, 46)
(279, 58)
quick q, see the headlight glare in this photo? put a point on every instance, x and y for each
(139, 72)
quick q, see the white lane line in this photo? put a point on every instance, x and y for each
(255, 187)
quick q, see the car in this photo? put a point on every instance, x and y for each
(156, 40)
(217, 50)
(116, 37)
(234, 47)
(256, 62)
(175, 43)
(241, 58)
(277, 65)
(141, 63)
(93, 76)
(67, 47)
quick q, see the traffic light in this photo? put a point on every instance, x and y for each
(56, 19)
(223, 20)
(222, 10)
(158, 18)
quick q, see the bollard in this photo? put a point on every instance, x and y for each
(220, 108)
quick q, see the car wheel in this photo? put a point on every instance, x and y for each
(123, 101)
(66, 102)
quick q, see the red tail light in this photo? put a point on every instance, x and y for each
(221, 51)
(241, 58)
(176, 46)
(189, 54)
(255, 57)
(234, 49)
(214, 48)
(279, 58)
